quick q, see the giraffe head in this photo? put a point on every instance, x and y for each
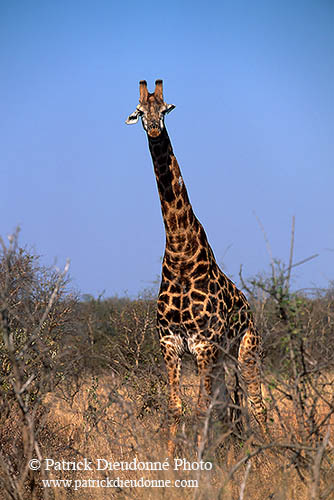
(151, 109)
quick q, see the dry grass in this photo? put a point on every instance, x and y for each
(84, 380)
(104, 419)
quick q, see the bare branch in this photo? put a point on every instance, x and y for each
(292, 242)
(272, 262)
(316, 466)
(243, 484)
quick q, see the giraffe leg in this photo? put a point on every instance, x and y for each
(204, 395)
(205, 387)
(173, 367)
(249, 365)
(206, 359)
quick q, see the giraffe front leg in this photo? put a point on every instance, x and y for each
(205, 387)
(206, 359)
(249, 365)
(173, 367)
(174, 404)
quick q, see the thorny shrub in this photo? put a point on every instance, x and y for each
(52, 341)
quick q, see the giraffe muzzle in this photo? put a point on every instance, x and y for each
(153, 130)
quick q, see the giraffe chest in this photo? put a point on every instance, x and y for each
(209, 305)
(191, 306)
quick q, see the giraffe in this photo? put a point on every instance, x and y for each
(199, 309)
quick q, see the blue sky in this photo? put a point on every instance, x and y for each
(252, 130)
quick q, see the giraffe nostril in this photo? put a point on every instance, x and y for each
(154, 132)
(153, 129)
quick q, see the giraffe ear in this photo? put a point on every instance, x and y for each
(133, 118)
(168, 109)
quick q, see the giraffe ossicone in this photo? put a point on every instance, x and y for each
(199, 309)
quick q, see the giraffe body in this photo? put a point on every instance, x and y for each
(199, 308)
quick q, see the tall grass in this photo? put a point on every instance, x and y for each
(84, 379)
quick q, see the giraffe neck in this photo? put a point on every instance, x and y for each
(184, 233)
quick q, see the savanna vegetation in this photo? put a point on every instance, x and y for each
(83, 378)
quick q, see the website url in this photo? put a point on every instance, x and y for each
(119, 483)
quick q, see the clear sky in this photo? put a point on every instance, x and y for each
(252, 131)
